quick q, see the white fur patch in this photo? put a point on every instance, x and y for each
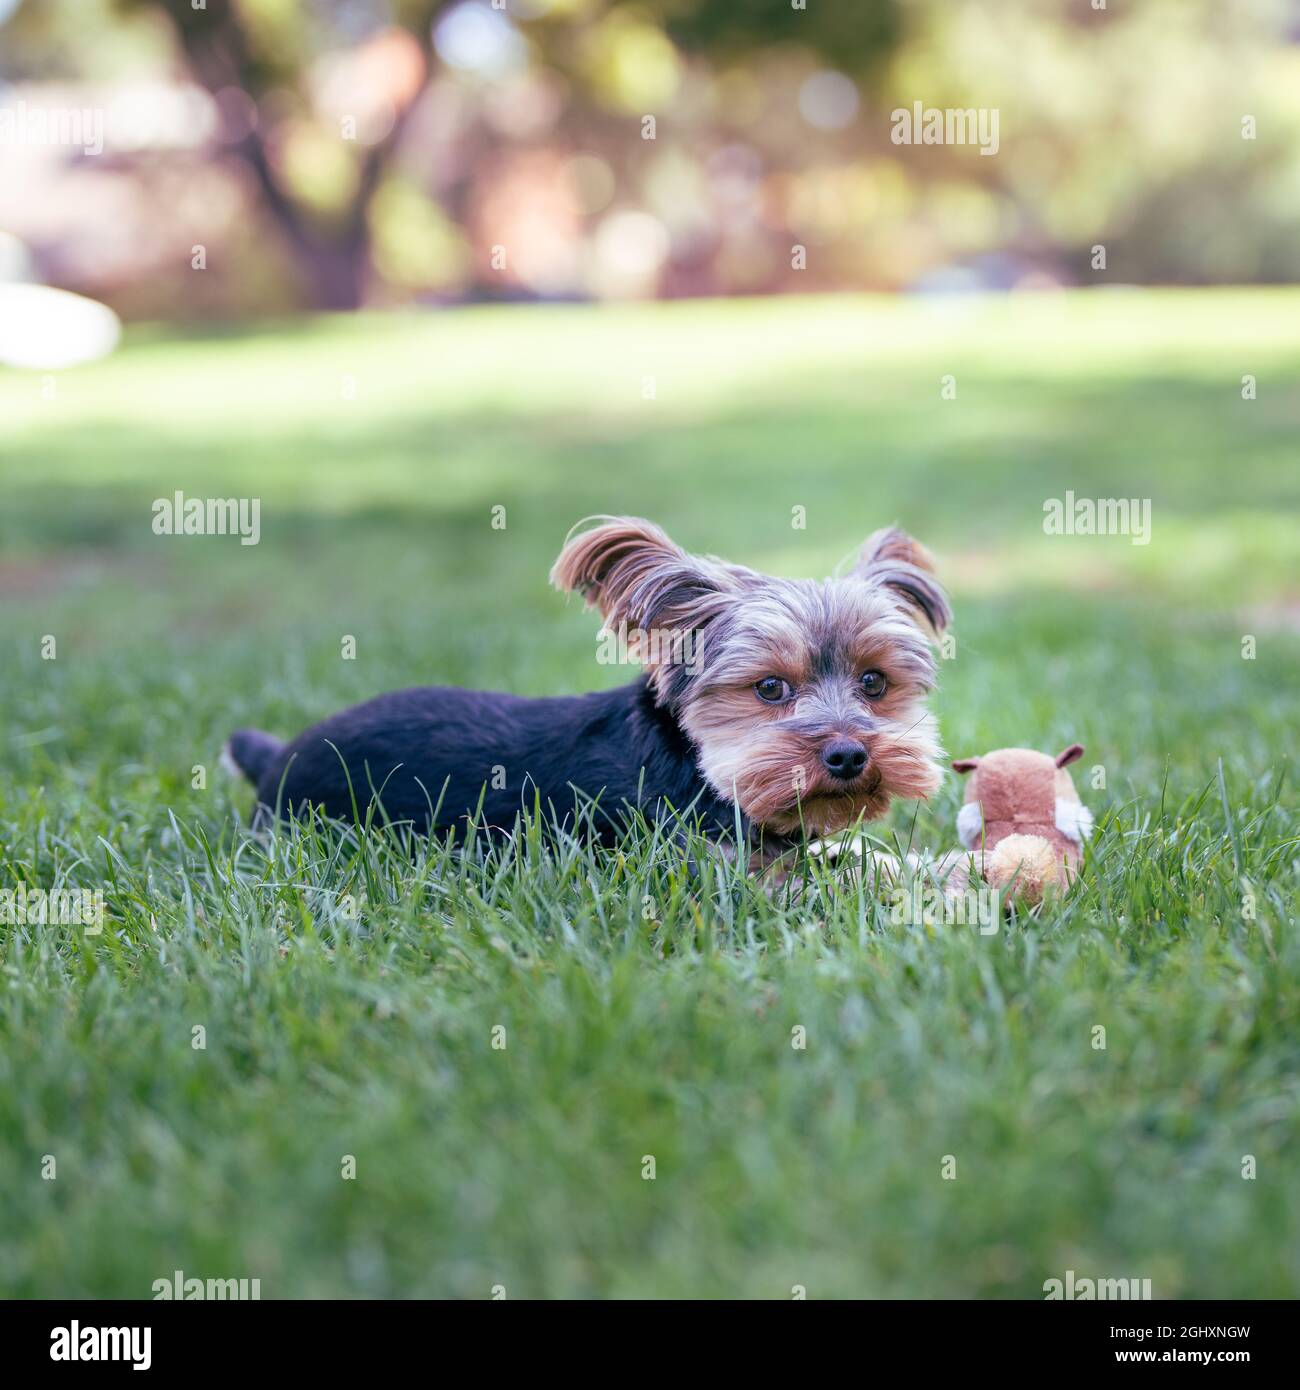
(227, 763)
(1073, 820)
(970, 824)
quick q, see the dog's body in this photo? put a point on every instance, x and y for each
(436, 755)
(784, 705)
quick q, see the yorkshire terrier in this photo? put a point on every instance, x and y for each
(784, 706)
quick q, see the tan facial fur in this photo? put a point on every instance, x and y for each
(819, 637)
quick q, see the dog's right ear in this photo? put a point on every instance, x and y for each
(632, 572)
(894, 559)
(965, 764)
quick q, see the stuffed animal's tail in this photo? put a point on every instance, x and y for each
(1025, 866)
(250, 752)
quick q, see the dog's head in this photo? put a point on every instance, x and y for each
(803, 699)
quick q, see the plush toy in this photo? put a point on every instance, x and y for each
(1023, 820)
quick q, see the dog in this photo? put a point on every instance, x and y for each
(784, 707)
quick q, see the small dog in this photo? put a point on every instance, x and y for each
(786, 705)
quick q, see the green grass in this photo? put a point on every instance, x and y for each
(349, 992)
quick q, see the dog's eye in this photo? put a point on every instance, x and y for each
(772, 690)
(874, 684)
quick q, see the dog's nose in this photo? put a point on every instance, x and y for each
(844, 758)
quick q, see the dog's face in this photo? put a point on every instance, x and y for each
(804, 700)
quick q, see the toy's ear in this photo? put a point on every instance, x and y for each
(1071, 755)
(965, 764)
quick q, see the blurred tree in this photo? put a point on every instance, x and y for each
(1123, 130)
(853, 36)
(270, 50)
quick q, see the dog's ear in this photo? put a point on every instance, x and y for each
(965, 764)
(632, 572)
(892, 558)
(1071, 755)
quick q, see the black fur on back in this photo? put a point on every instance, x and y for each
(441, 747)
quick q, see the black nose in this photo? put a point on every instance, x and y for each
(844, 758)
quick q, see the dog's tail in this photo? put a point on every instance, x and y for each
(250, 752)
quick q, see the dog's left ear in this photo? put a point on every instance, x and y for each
(1071, 755)
(892, 558)
(632, 572)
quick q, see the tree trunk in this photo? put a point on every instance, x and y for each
(335, 263)
(336, 276)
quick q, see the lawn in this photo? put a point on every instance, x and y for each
(499, 1043)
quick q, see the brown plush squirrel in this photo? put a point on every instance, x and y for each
(1023, 820)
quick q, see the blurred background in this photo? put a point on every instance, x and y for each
(332, 154)
(390, 264)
